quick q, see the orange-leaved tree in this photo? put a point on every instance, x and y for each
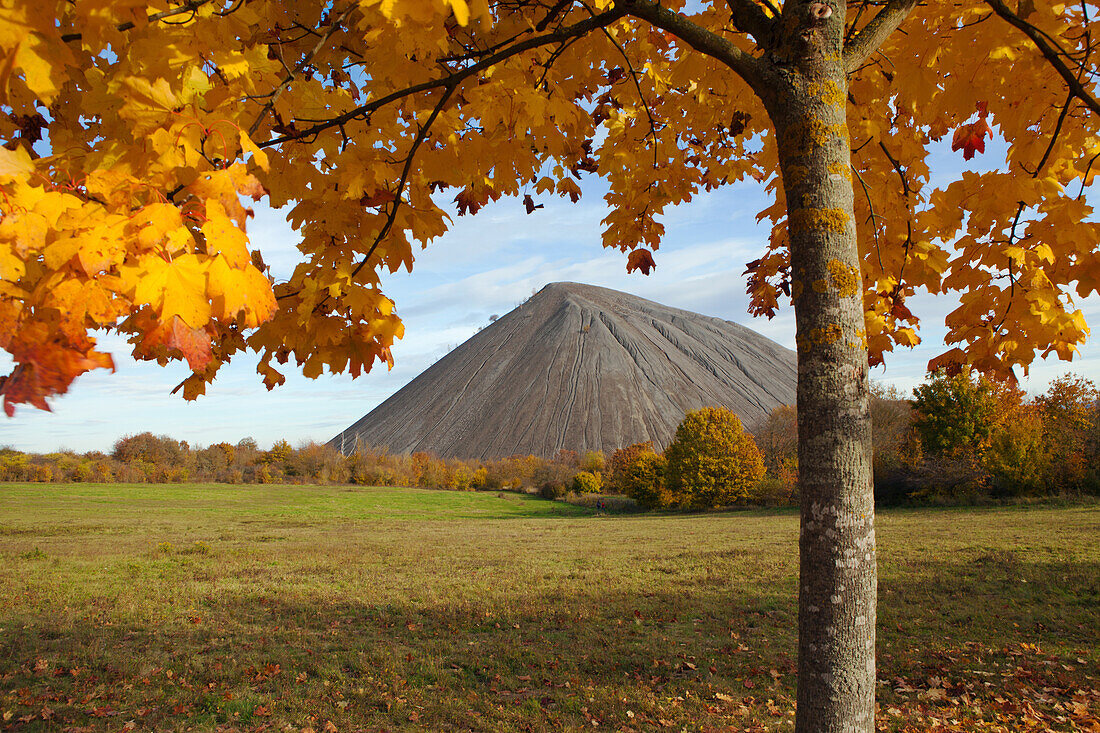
(712, 461)
(135, 133)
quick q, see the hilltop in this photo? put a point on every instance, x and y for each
(584, 368)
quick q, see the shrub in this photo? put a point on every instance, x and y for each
(643, 480)
(620, 461)
(1017, 458)
(553, 480)
(480, 479)
(955, 414)
(587, 482)
(772, 491)
(593, 461)
(552, 490)
(712, 461)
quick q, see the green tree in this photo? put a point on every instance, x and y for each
(955, 414)
(712, 461)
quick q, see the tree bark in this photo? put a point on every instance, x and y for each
(838, 576)
(802, 79)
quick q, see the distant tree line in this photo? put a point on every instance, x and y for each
(963, 438)
(148, 458)
(959, 439)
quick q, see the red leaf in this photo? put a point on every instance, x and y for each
(377, 198)
(900, 311)
(640, 259)
(470, 200)
(193, 344)
(971, 138)
(530, 204)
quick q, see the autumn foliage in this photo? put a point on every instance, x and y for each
(970, 439)
(712, 461)
(148, 458)
(137, 135)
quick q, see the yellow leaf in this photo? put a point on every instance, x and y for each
(15, 163)
(259, 156)
(240, 293)
(1044, 252)
(223, 237)
(176, 288)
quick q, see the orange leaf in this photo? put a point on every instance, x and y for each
(640, 259)
(192, 343)
(971, 138)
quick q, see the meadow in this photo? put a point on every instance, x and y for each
(215, 607)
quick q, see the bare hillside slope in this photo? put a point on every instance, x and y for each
(583, 368)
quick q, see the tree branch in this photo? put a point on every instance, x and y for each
(188, 7)
(868, 40)
(746, 66)
(562, 34)
(336, 23)
(1049, 52)
(747, 16)
(421, 136)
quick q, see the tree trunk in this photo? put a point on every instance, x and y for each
(838, 578)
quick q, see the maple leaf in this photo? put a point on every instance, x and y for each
(15, 163)
(377, 198)
(530, 205)
(193, 344)
(176, 288)
(971, 138)
(640, 259)
(472, 198)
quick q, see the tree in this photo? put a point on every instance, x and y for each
(1069, 414)
(956, 414)
(132, 130)
(621, 461)
(643, 479)
(586, 482)
(712, 461)
(777, 438)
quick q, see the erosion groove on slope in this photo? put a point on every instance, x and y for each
(583, 368)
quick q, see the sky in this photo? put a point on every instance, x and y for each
(486, 265)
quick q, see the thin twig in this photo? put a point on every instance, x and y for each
(1050, 53)
(306, 60)
(189, 7)
(453, 79)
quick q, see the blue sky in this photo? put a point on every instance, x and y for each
(487, 264)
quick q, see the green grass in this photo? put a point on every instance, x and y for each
(210, 607)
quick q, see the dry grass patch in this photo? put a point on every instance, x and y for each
(259, 608)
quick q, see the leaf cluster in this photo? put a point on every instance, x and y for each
(135, 134)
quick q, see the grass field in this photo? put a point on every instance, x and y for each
(339, 609)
